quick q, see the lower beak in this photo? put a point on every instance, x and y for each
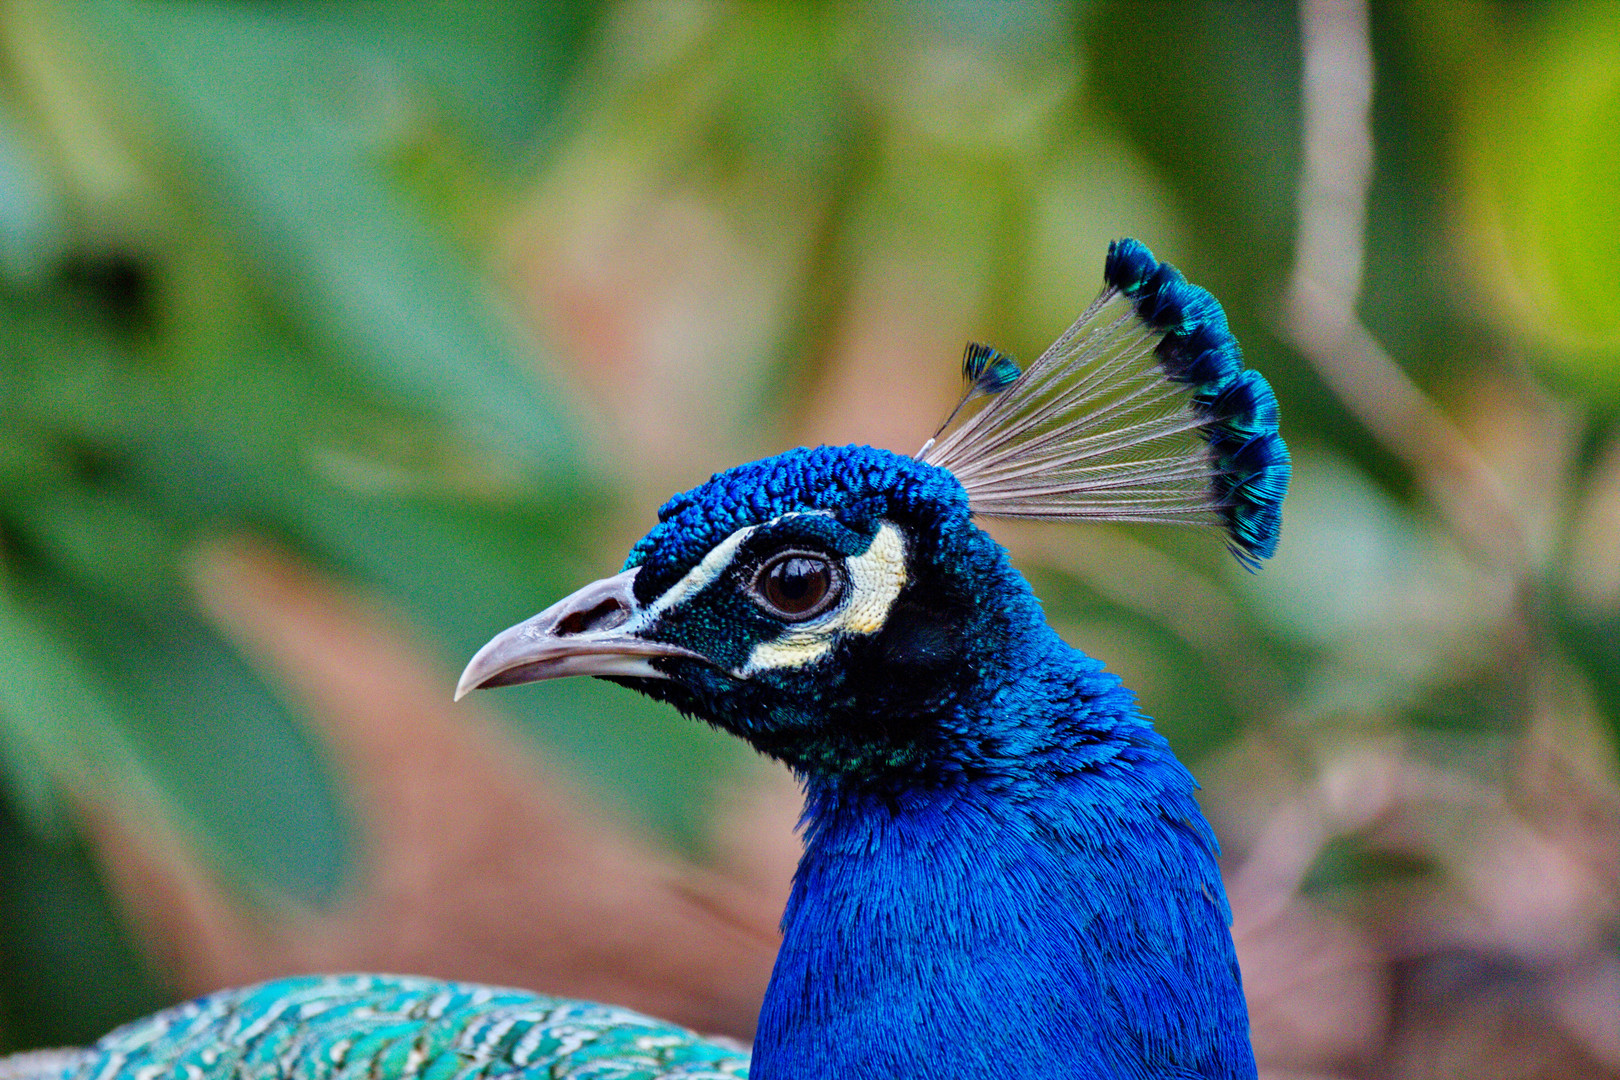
(588, 633)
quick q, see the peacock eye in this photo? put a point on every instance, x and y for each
(798, 585)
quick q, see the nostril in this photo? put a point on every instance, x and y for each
(604, 616)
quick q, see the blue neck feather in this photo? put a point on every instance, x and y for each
(1056, 911)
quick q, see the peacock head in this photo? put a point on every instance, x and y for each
(832, 606)
(838, 608)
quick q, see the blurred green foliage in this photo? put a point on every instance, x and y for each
(1541, 172)
(256, 275)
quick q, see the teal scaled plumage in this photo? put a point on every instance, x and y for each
(1005, 872)
(363, 1026)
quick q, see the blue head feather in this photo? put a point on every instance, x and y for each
(856, 483)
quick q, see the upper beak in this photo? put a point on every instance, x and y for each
(588, 633)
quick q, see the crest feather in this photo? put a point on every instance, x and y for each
(1141, 411)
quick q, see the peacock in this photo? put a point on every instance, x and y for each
(1004, 870)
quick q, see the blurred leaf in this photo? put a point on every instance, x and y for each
(1208, 91)
(1348, 866)
(1423, 53)
(1592, 639)
(290, 131)
(1383, 591)
(53, 704)
(109, 544)
(68, 973)
(31, 217)
(214, 739)
(1541, 171)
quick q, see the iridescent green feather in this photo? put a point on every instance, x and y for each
(365, 1026)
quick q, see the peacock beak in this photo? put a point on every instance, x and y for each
(591, 632)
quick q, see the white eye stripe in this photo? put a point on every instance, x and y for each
(700, 577)
(876, 577)
(787, 651)
(708, 570)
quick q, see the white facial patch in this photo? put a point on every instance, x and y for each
(696, 579)
(876, 577)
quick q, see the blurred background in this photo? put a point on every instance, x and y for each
(336, 336)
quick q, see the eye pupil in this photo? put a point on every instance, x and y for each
(796, 585)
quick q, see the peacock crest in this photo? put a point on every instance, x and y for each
(1142, 411)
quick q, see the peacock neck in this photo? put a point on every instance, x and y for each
(1064, 917)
